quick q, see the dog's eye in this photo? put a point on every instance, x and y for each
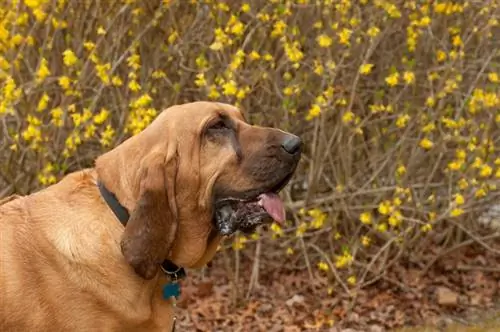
(218, 126)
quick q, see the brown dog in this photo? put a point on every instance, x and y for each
(197, 173)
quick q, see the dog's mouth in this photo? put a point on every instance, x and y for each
(250, 210)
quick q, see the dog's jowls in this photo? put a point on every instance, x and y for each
(197, 173)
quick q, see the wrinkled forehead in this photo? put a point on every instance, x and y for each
(231, 111)
(195, 115)
(202, 111)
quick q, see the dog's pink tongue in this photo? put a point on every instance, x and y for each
(273, 205)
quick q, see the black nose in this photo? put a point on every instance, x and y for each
(292, 144)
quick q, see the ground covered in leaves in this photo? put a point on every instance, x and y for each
(457, 291)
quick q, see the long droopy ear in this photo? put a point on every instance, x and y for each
(151, 229)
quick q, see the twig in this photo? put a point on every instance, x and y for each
(330, 264)
(231, 274)
(236, 276)
(254, 278)
(452, 249)
(477, 268)
(306, 258)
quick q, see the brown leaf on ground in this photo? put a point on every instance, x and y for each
(446, 297)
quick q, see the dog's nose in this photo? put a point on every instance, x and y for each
(292, 144)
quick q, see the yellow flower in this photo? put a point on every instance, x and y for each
(212, 92)
(237, 28)
(64, 82)
(365, 241)
(289, 251)
(432, 216)
(318, 68)
(318, 25)
(324, 40)
(69, 58)
(430, 101)
(441, 56)
(392, 79)
(319, 218)
(481, 192)
(457, 41)
(401, 170)
(426, 143)
(366, 218)
(385, 207)
(293, 52)
(455, 165)
(157, 74)
(134, 86)
(347, 117)
(461, 154)
(277, 230)
(456, 212)
(382, 227)
(142, 101)
(344, 260)
(268, 57)
(301, 229)
(43, 103)
(101, 117)
(89, 46)
(373, 31)
(459, 199)
(313, 112)
(57, 114)
(288, 91)
(43, 71)
(279, 28)
(200, 80)
(102, 72)
(402, 120)
(485, 171)
(351, 280)
(245, 8)
(116, 81)
(229, 88)
(4, 64)
(493, 77)
(424, 21)
(39, 14)
(395, 218)
(409, 77)
(239, 242)
(426, 228)
(463, 184)
(366, 68)
(344, 36)
(254, 55)
(322, 266)
(172, 37)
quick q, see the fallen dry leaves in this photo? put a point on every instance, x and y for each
(287, 300)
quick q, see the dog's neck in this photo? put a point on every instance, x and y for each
(171, 270)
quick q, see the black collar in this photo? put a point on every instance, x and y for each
(168, 267)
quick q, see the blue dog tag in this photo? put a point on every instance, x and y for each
(171, 289)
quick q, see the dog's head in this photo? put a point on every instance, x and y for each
(197, 173)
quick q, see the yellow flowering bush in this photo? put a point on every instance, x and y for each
(398, 103)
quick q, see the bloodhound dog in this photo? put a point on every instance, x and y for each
(97, 250)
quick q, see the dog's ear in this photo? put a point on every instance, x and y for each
(151, 229)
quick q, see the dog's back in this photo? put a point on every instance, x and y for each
(39, 258)
(18, 276)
